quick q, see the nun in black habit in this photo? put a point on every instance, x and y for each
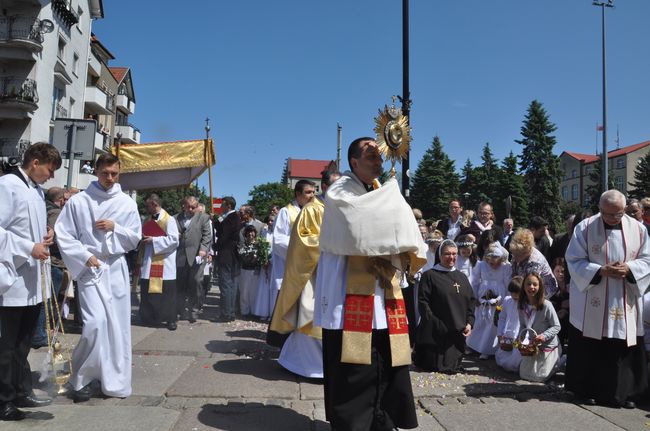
(446, 304)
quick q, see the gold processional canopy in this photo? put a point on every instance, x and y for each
(162, 165)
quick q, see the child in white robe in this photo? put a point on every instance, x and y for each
(467, 258)
(508, 328)
(490, 280)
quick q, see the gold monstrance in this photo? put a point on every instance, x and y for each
(393, 134)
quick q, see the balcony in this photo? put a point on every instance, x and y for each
(23, 32)
(13, 147)
(18, 93)
(123, 102)
(130, 134)
(94, 65)
(98, 102)
(65, 11)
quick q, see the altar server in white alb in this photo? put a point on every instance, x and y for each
(94, 231)
(609, 262)
(24, 242)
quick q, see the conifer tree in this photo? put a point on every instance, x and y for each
(595, 188)
(435, 182)
(511, 183)
(641, 184)
(468, 186)
(485, 177)
(540, 167)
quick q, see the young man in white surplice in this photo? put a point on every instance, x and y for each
(96, 228)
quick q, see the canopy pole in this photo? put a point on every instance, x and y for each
(209, 161)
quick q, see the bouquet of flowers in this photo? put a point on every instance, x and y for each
(263, 251)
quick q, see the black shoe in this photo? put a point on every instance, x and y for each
(172, 326)
(82, 395)
(37, 344)
(590, 402)
(9, 412)
(31, 401)
(629, 405)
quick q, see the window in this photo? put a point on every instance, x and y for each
(574, 192)
(574, 173)
(565, 193)
(588, 170)
(72, 102)
(75, 64)
(619, 183)
(61, 51)
(620, 163)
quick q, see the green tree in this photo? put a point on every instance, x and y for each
(540, 167)
(435, 182)
(485, 177)
(468, 187)
(595, 188)
(171, 198)
(263, 196)
(641, 184)
(511, 184)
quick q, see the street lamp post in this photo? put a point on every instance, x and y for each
(406, 96)
(604, 162)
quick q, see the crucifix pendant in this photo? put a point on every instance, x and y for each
(456, 285)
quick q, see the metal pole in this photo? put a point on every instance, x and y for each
(209, 161)
(406, 95)
(338, 146)
(604, 159)
(72, 136)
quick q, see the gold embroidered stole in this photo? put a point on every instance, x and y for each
(158, 260)
(596, 302)
(362, 274)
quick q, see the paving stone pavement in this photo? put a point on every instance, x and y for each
(223, 376)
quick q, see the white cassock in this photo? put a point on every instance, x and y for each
(104, 350)
(613, 308)
(23, 219)
(281, 235)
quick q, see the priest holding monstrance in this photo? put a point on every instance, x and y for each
(369, 242)
(609, 262)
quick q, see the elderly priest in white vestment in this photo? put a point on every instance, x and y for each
(94, 231)
(609, 262)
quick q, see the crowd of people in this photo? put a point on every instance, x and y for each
(354, 283)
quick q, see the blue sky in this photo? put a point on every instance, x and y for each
(275, 77)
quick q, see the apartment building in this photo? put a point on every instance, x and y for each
(576, 168)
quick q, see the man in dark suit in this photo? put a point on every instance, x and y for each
(227, 240)
(484, 221)
(195, 238)
(451, 226)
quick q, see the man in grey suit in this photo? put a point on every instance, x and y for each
(195, 240)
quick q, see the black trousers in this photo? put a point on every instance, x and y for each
(607, 369)
(375, 397)
(17, 325)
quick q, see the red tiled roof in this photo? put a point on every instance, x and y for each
(306, 168)
(587, 158)
(119, 72)
(627, 150)
(590, 158)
